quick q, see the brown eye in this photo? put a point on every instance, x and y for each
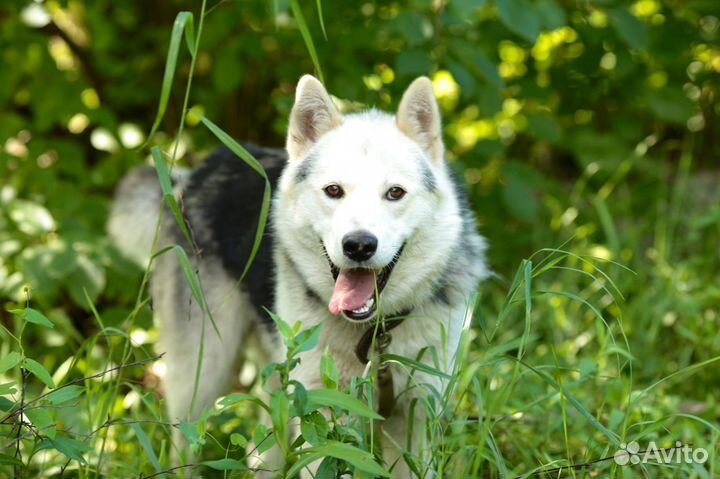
(395, 193)
(334, 191)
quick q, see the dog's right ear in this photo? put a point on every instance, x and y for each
(313, 115)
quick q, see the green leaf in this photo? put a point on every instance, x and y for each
(7, 388)
(671, 104)
(328, 371)
(235, 398)
(476, 61)
(190, 432)
(225, 465)
(307, 38)
(65, 394)
(10, 460)
(238, 440)
(543, 127)
(520, 17)
(32, 316)
(10, 361)
(279, 413)
(31, 218)
(307, 339)
(40, 418)
(361, 460)
(552, 15)
(147, 447)
(88, 277)
(6, 404)
(39, 371)
(413, 62)
(283, 328)
(629, 28)
(332, 398)
(411, 363)
(466, 9)
(314, 428)
(71, 448)
(183, 21)
(519, 193)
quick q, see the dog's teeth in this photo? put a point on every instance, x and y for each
(366, 307)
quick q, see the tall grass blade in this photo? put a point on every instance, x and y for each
(183, 24)
(307, 38)
(575, 403)
(147, 447)
(168, 195)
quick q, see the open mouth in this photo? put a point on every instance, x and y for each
(354, 294)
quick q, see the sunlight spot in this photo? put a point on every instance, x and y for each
(62, 54)
(138, 337)
(159, 368)
(387, 75)
(62, 370)
(608, 61)
(131, 136)
(248, 373)
(696, 123)
(582, 340)
(372, 82)
(131, 399)
(446, 89)
(47, 159)
(35, 15)
(569, 216)
(602, 252)
(78, 123)
(101, 139)
(191, 118)
(669, 318)
(90, 99)
(16, 148)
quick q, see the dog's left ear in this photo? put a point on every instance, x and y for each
(313, 115)
(418, 117)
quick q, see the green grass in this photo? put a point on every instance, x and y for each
(581, 348)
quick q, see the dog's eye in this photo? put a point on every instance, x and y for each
(395, 193)
(334, 191)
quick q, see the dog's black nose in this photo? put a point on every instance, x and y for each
(359, 245)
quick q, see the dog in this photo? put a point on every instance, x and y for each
(367, 222)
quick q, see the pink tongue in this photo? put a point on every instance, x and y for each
(353, 288)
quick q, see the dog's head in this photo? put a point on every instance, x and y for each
(362, 185)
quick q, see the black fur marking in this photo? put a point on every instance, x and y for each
(441, 295)
(305, 168)
(223, 199)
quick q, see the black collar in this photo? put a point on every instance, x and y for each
(383, 337)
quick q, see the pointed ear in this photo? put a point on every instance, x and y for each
(313, 115)
(418, 117)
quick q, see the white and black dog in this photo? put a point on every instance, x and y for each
(362, 201)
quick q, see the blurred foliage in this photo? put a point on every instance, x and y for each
(593, 122)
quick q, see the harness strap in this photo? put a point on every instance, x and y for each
(386, 390)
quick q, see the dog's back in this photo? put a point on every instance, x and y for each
(220, 201)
